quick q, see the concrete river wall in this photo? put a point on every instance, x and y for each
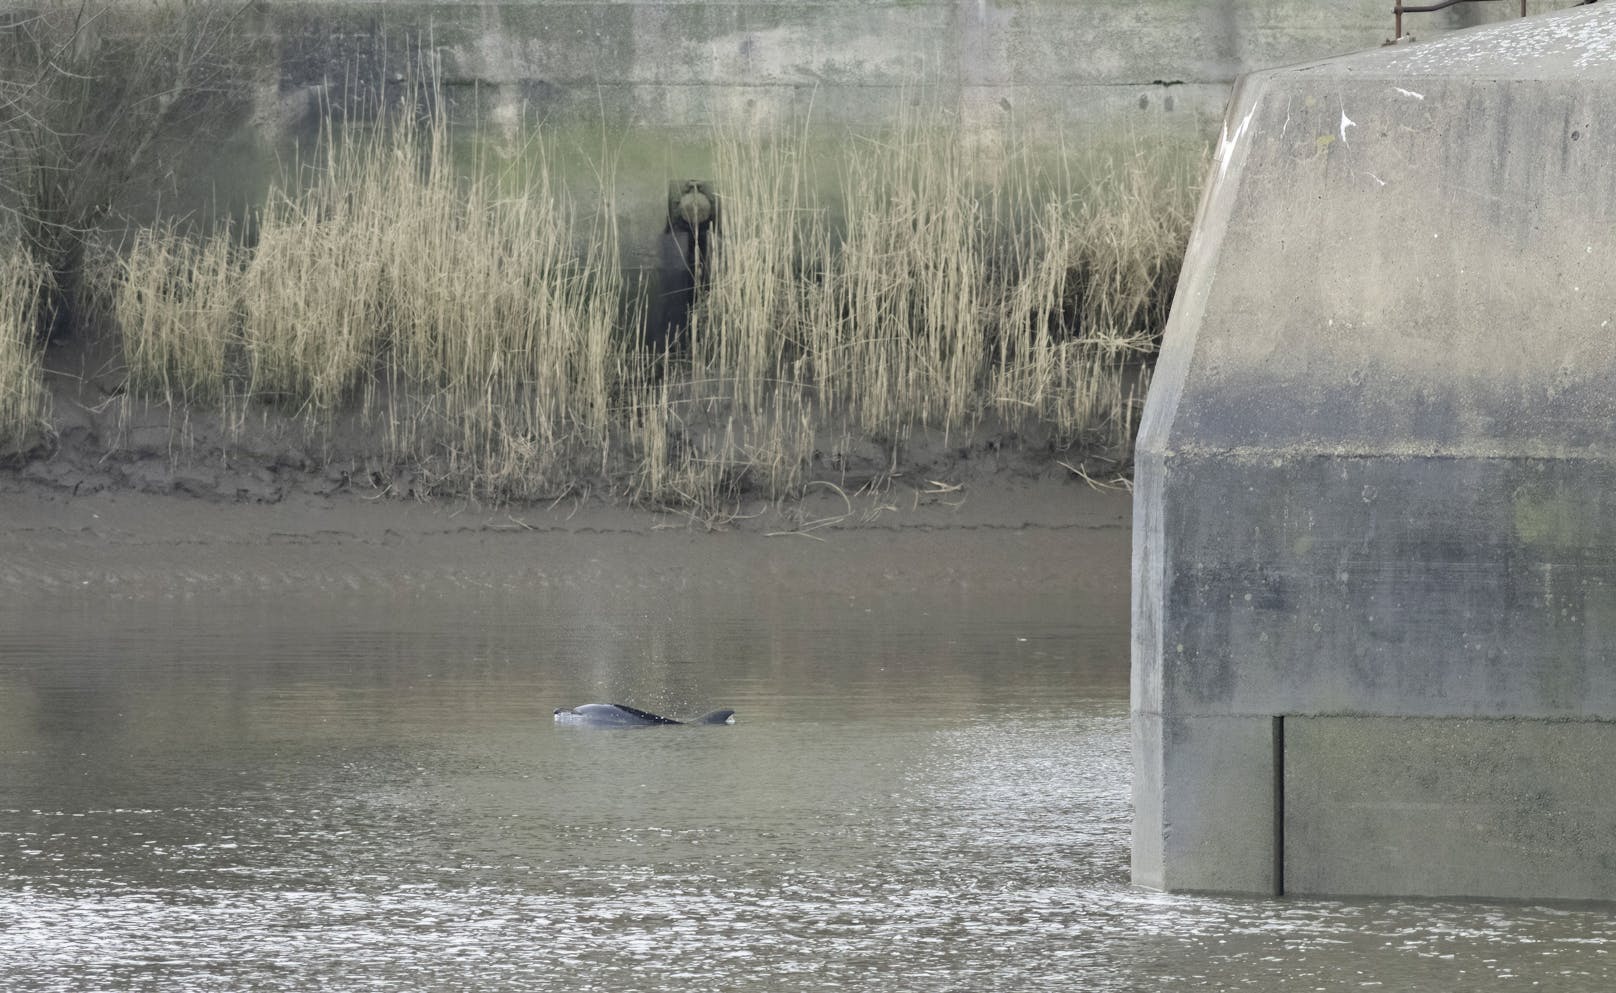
(681, 63)
(1375, 545)
(651, 80)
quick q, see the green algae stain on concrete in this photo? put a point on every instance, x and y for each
(1555, 526)
(1550, 516)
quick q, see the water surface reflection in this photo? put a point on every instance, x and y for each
(364, 789)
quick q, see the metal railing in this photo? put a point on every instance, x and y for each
(1399, 8)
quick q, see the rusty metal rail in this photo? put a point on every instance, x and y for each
(1399, 8)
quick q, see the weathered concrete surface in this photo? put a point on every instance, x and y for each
(656, 77)
(1375, 475)
(1108, 64)
(1520, 807)
(678, 63)
(1207, 832)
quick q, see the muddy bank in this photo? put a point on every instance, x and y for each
(137, 499)
(1002, 534)
(262, 465)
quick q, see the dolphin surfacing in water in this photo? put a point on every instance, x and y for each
(617, 715)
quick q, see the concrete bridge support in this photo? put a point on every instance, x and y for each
(1375, 523)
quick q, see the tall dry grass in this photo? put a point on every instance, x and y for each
(478, 318)
(178, 302)
(927, 298)
(1093, 270)
(24, 402)
(455, 313)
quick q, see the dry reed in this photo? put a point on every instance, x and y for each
(478, 319)
(177, 302)
(24, 402)
(461, 319)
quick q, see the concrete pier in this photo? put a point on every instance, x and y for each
(1375, 522)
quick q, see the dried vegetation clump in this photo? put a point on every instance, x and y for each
(24, 404)
(479, 318)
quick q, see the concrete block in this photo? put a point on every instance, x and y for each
(1487, 808)
(1205, 804)
(1398, 586)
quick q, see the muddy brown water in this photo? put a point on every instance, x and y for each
(306, 773)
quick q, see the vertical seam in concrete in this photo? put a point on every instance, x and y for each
(1279, 805)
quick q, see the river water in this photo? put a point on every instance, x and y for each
(224, 784)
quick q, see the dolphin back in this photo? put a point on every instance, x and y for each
(638, 716)
(608, 715)
(622, 715)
